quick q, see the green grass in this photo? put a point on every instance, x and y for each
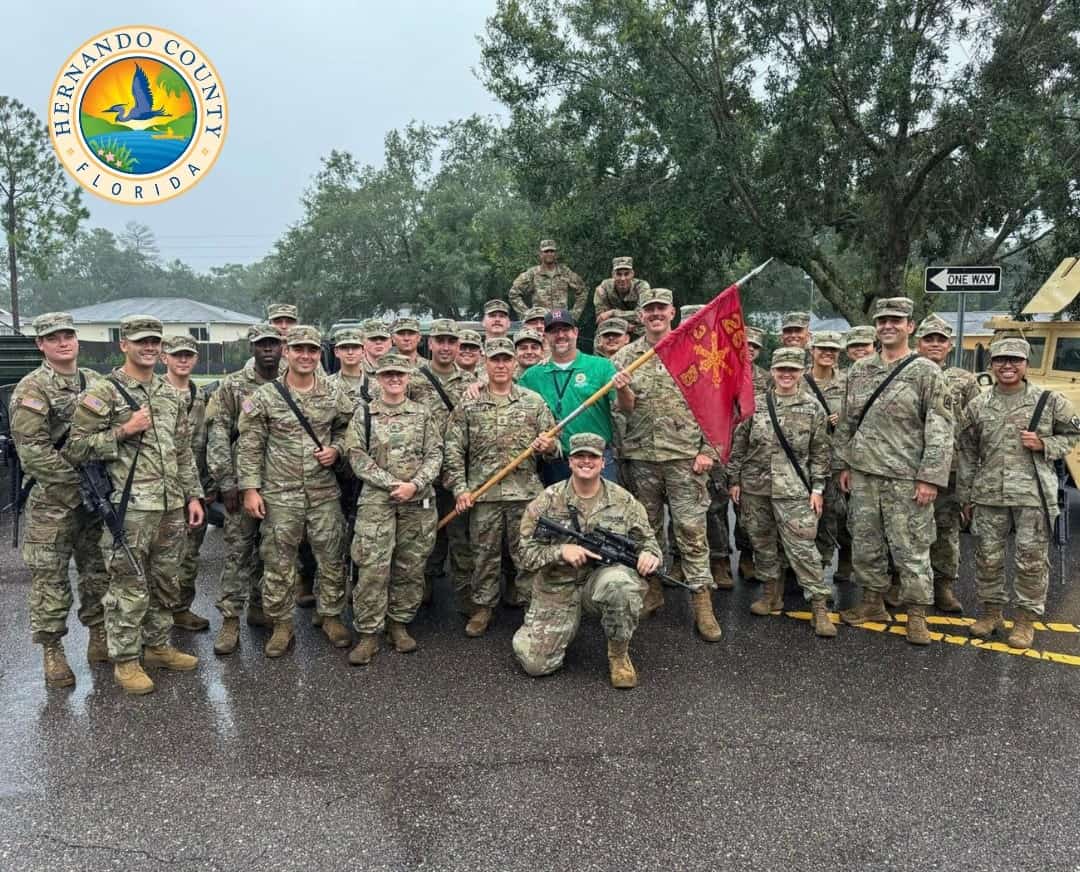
(122, 157)
(94, 126)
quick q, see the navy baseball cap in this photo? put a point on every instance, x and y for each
(559, 316)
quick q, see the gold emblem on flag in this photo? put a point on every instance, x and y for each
(713, 359)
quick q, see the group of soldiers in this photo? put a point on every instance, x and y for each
(332, 481)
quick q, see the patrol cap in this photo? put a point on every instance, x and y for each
(496, 306)
(894, 307)
(656, 295)
(828, 339)
(470, 337)
(179, 342)
(282, 310)
(934, 324)
(406, 324)
(52, 322)
(348, 336)
(796, 319)
(559, 316)
(613, 325)
(622, 263)
(587, 443)
(535, 313)
(689, 311)
(548, 245)
(863, 334)
(375, 328)
(443, 327)
(391, 362)
(303, 334)
(497, 346)
(1010, 347)
(526, 333)
(135, 327)
(789, 358)
(755, 336)
(262, 330)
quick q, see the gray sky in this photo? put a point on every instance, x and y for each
(326, 74)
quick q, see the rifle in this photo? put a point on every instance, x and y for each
(613, 548)
(95, 488)
(1061, 523)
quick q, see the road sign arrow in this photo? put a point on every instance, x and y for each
(941, 279)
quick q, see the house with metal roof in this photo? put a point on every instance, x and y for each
(204, 321)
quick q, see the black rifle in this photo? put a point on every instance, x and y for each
(15, 484)
(95, 488)
(613, 548)
(1061, 524)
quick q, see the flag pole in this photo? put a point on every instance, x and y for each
(554, 431)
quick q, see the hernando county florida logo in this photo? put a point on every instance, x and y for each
(138, 115)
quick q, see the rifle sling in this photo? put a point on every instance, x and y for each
(125, 495)
(426, 372)
(782, 438)
(809, 379)
(287, 397)
(191, 396)
(1040, 404)
(911, 358)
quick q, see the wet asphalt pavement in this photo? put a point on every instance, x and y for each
(770, 750)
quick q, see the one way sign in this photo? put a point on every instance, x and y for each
(963, 279)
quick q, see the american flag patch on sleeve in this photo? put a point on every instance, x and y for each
(94, 404)
(33, 403)
(248, 406)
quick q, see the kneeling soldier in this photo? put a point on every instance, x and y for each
(565, 582)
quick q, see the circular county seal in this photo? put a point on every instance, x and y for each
(138, 115)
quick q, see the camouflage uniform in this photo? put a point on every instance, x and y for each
(483, 436)
(392, 540)
(833, 528)
(189, 568)
(561, 592)
(57, 525)
(276, 457)
(139, 612)
(625, 304)
(538, 286)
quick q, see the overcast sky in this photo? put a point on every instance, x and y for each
(326, 74)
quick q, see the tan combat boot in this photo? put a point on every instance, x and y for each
(256, 617)
(228, 637)
(97, 645)
(1023, 631)
(399, 636)
(945, 600)
(365, 649)
(188, 620)
(167, 657)
(746, 565)
(870, 609)
(917, 634)
(623, 674)
(336, 631)
(479, 621)
(305, 592)
(721, 574)
(130, 676)
(57, 671)
(654, 596)
(771, 599)
(823, 626)
(892, 595)
(990, 620)
(281, 640)
(704, 618)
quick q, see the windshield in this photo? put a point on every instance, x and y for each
(1038, 348)
(1067, 354)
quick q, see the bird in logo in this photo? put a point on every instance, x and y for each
(142, 114)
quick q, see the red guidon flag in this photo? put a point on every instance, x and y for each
(709, 359)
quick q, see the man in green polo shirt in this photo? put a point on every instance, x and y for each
(565, 381)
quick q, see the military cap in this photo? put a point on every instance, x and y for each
(755, 336)
(443, 327)
(613, 325)
(391, 362)
(690, 311)
(349, 336)
(526, 333)
(828, 339)
(52, 322)
(282, 310)
(402, 325)
(622, 263)
(179, 342)
(587, 443)
(894, 307)
(863, 334)
(303, 334)
(535, 313)
(470, 337)
(375, 328)
(934, 324)
(1010, 347)
(140, 327)
(789, 358)
(656, 295)
(559, 316)
(262, 330)
(498, 345)
(796, 319)
(496, 306)
(548, 245)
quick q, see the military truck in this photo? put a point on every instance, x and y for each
(19, 356)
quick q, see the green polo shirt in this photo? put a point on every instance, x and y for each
(566, 389)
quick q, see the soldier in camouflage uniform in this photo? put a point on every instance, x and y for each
(611, 335)
(762, 380)
(772, 493)
(894, 455)
(528, 351)
(549, 285)
(349, 351)
(57, 525)
(618, 296)
(934, 338)
(282, 316)
(180, 353)
(153, 444)
(755, 341)
(496, 319)
(859, 342)
(534, 319)
(566, 581)
(288, 483)
(670, 460)
(377, 342)
(470, 351)
(241, 575)
(395, 447)
(483, 436)
(1000, 458)
(406, 338)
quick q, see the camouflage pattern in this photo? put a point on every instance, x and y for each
(282, 310)
(862, 334)
(613, 324)
(552, 289)
(136, 327)
(355, 386)
(406, 323)
(795, 319)
(773, 524)
(991, 526)
(896, 307)
(832, 526)
(624, 304)
(421, 390)
(189, 565)
(761, 379)
(496, 306)
(392, 540)
(348, 336)
(375, 328)
(52, 322)
(1010, 346)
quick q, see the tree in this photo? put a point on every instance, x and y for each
(139, 238)
(42, 208)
